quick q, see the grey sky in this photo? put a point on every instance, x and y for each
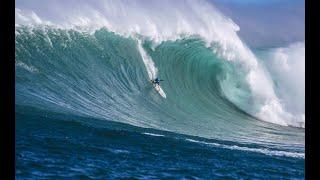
(266, 22)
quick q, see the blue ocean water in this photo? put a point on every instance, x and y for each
(54, 146)
(85, 109)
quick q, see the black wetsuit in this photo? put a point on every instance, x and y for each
(157, 81)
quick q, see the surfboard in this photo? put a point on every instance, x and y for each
(159, 90)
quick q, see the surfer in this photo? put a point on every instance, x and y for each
(156, 81)
(156, 84)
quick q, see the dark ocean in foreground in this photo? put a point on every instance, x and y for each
(57, 146)
(85, 109)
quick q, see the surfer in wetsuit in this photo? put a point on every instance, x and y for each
(156, 81)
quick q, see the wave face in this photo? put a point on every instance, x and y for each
(103, 75)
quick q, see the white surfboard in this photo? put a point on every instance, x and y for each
(159, 89)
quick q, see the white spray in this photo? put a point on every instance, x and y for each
(151, 68)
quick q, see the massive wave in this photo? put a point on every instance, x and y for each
(97, 60)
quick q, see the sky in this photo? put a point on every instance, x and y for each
(266, 22)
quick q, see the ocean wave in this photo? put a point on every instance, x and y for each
(104, 75)
(216, 87)
(152, 23)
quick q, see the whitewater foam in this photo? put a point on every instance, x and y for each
(287, 67)
(151, 68)
(256, 150)
(26, 67)
(152, 134)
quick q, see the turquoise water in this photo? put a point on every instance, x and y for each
(85, 108)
